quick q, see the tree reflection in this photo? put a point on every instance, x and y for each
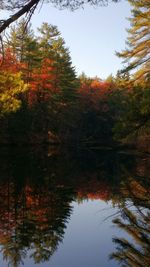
(135, 221)
(36, 193)
(33, 216)
(35, 220)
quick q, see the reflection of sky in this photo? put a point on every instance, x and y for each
(88, 238)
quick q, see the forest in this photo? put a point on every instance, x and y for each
(43, 101)
(74, 149)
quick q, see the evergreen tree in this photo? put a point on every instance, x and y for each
(61, 78)
(23, 44)
(52, 46)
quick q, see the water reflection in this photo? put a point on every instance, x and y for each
(37, 189)
(134, 220)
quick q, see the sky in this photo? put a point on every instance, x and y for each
(91, 34)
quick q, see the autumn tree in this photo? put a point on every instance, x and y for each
(94, 111)
(45, 64)
(11, 85)
(137, 54)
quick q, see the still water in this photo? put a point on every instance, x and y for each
(74, 208)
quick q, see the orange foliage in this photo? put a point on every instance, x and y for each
(43, 82)
(44, 77)
(95, 92)
(9, 62)
(94, 189)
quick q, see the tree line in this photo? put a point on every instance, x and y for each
(42, 100)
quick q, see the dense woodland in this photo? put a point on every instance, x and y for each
(43, 101)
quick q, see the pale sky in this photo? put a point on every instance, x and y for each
(91, 34)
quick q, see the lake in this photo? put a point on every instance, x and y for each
(74, 208)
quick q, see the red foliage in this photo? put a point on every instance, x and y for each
(94, 189)
(44, 77)
(9, 62)
(95, 92)
(43, 82)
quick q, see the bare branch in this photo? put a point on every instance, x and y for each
(25, 9)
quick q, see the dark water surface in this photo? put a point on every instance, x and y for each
(74, 209)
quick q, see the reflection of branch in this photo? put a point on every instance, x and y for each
(112, 215)
(136, 254)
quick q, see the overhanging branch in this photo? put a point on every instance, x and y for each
(25, 9)
(32, 4)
